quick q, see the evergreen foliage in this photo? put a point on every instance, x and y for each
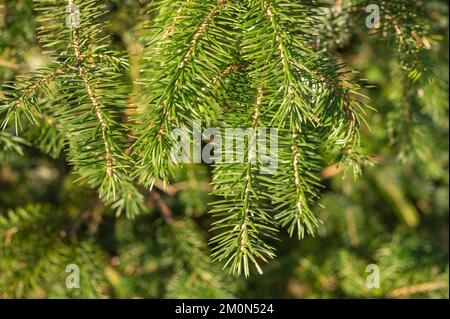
(96, 114)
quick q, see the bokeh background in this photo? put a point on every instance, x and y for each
(395, 216)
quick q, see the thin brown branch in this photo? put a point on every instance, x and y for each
(416, 289)
(9, 64)
(165, 210)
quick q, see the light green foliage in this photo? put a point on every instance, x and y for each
(87, 97)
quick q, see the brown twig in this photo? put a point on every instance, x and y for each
(416, 289)
(173, 189)
(165, 210)
(9, 64)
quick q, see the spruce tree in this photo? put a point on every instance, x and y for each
(101, 109)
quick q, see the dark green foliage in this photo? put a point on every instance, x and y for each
(37, 247)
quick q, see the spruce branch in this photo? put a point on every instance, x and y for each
(88, 106)
(243, 220)
(183, 62)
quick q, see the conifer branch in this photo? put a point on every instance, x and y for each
(244, 222)
(93, 98)
(174, 100)
(82, 75)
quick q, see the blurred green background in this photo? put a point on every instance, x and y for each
(394, 216)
